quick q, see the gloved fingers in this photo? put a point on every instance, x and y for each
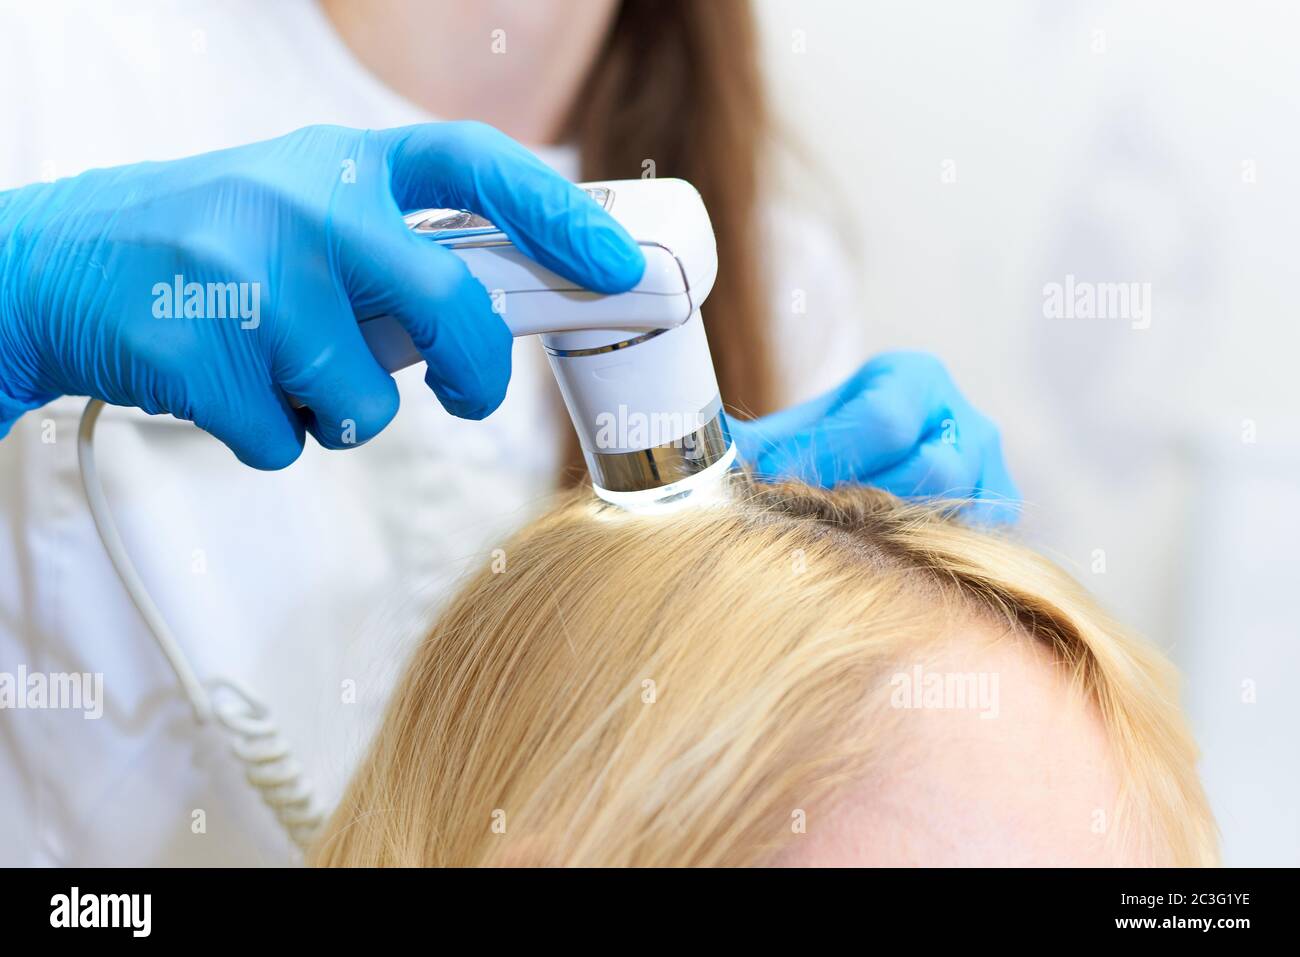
(320, 359)
(348, 398)
(963, 461)
(999, 497)
(445, 310)
(997, 484)
(336, 422)
(818, 456)
(981, 443)
(761, 441)
(873, 421)
(261, 429)
(938, 469)
(472, 166)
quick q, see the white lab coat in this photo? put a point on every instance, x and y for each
(308, 585)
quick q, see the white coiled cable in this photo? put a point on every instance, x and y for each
(267, 758)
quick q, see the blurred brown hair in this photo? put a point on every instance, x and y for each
(678, 83)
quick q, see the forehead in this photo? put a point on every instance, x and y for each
(993, 760)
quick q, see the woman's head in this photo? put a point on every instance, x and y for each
(797, 676)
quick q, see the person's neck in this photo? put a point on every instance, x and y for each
(517, 66)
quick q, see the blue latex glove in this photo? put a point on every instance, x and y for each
(313, 219)
(898, 424)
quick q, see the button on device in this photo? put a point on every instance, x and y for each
(603, 195)
(456, 224)
(455, 219)
(447, 224)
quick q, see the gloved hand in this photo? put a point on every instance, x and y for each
(308, 228)
(898, 424)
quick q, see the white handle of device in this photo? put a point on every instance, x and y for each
(634, 368)
(667, 219)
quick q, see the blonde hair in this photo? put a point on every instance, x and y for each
(764, 632)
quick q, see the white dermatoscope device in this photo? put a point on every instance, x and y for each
(634, 368)
(635, 373)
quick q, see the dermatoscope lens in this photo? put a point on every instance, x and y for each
(707, 487)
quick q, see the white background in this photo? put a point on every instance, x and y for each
(1115, 142)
